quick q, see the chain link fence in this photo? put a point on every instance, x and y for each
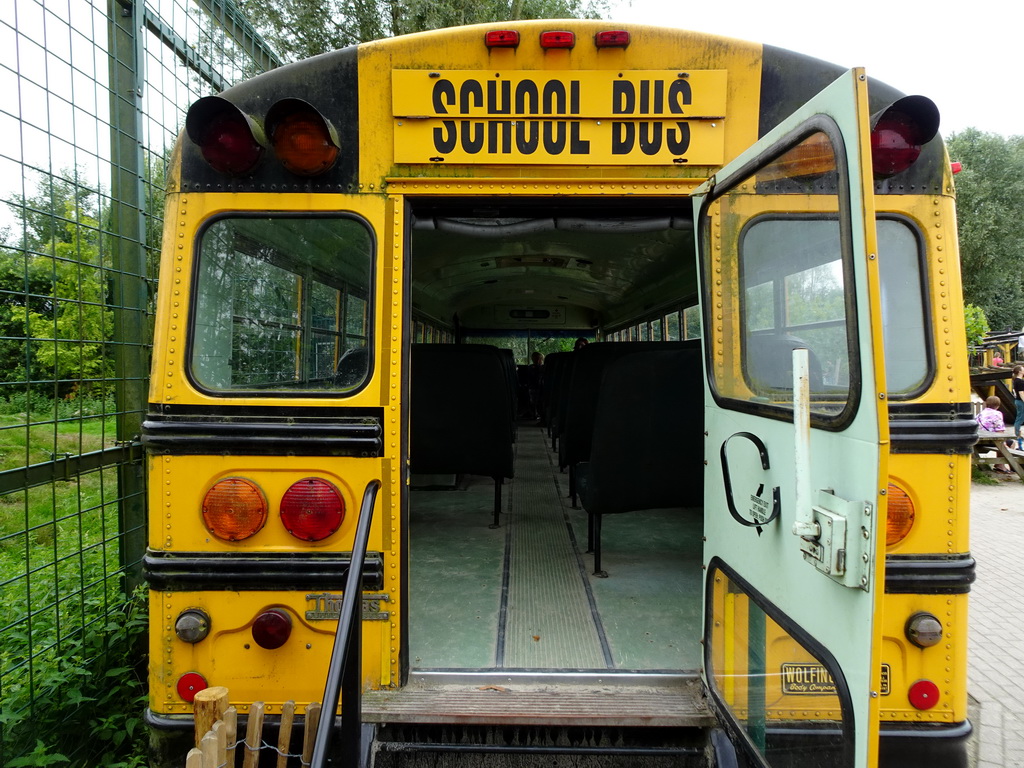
(94, 93)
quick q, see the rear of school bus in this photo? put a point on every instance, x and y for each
(530, 178)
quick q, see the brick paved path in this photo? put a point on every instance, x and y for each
(996, 655)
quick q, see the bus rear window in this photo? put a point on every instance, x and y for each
(282, 304)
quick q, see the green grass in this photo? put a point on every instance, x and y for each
(71, 642)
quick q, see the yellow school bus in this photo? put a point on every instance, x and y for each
(720, 517)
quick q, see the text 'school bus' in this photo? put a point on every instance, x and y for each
(732, 529)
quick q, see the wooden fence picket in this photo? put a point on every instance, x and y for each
(284, 738)
(253, 736)
(217, 746)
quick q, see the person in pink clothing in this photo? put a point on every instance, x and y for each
(991, 420)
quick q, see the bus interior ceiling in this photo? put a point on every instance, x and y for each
(524, 596)
(597, 264)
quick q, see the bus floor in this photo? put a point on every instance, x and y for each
(523, 597)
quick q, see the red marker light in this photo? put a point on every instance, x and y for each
(312, 509)
(502, 38)
(924, 694)
(228, 139)
(613, 38)
(557, 39)
(956, 167)
(272, 629)
(899, 132)
(190, 684)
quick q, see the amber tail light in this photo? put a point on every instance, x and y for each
(234, 509)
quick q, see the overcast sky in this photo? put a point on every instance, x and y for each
(964, 55)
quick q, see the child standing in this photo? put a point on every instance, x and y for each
(1017, 383)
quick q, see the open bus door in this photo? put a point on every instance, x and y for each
(796, 474)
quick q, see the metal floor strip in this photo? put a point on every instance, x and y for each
(549, 621)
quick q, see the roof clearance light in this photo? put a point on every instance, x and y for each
(234, 509)
(557, 39)
(272, 629)
(612, 38)
(899, 132)
(230, 141)
(312, 509)
(304, 140)
(899, 519)
(501, 38)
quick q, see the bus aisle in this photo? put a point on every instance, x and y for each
(995, 676)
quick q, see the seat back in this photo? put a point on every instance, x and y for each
(576, 436)
(648, 436)
(460, 410)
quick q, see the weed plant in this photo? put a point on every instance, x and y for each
(72, 643)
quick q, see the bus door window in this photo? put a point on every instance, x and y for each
(787, 287)
(793, 296)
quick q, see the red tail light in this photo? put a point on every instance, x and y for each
(557, 39)
(272, 629)
(304, 140)
(502, 38)
(229, 140)
(612, 38)
(234, 509)
(899, 132)
(312, 509)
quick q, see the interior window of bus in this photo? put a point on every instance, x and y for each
(282, 304)
(907, 363)
(691, 323)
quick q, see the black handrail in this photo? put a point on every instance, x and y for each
(345, 670)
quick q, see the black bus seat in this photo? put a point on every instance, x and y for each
(581, 396)
(460, 413)
(353, 367)
(769, 363)
(557, 372)
(648, 439)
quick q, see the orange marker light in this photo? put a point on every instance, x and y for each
(304, 141)
(899, 519)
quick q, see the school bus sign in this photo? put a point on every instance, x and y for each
(559, 117)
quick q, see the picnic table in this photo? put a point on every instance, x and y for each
(989, 442)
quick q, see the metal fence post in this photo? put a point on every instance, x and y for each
(128, 254)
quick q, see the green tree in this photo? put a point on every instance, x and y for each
(54, 321)
(298, 29)
(976, 323)
(990, 213)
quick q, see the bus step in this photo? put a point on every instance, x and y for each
(523, 746)
(497, 702)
